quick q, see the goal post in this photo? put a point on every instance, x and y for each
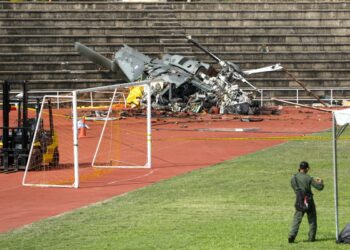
(102, 127)
(125, 135)
(50, 163)
(340, 124)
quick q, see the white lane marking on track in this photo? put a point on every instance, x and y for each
(135, 178)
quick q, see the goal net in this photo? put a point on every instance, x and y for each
(104, 127)
(51, 156)
(121, 120)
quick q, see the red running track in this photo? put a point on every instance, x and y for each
(23, 205)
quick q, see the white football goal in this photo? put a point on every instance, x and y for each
(102, 127)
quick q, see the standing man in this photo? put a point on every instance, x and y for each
(302, 181)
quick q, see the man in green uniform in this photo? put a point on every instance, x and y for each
(303, 181)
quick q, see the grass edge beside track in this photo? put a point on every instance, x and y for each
(244, 203)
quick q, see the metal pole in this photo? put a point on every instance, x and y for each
(335, 176)
(297, 93)
(58, 100)
(75, 140)
(6, 123)
(91, 100)
(149, 126)
(331, 97)
(25, 139)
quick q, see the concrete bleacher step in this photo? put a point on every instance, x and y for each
(311, 75)
(264, 5)
(153, 47)
(310, 38)
(58, 74)
(152, 38)
(165, 24)
(244, 64)
(96, 73)
(172, 32)
(155, 27)
(181, 5)
(328, 30)
(168, 26)
(176, 50)
(61, 77)
(173, 41)
(307, 55)
(169, 15)
(159, 6)
(84, 30)
(279, 14)
(307, 73)
(261, 22)
(47, 66)
(238, 55)
(235, 56)
(230, 56)
(273, 38)
(296, 14)
(119, 22)
(298, 65)
(288, 83)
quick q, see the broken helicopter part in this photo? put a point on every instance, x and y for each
(182, 84)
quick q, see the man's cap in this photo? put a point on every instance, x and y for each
(304, 165)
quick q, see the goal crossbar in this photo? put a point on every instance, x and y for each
(73, 100)
(147, 88)
(75, 144)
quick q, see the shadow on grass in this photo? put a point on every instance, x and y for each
(322, 239)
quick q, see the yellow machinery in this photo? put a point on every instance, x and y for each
(16, 140)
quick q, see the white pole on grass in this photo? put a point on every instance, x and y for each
(335, 175)
(75, 140)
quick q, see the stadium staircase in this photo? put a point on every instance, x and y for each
(310, 38)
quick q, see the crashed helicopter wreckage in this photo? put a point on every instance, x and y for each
(179, 83)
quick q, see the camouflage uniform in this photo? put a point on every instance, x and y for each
(305, 181)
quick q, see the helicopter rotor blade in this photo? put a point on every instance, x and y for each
(95, 57)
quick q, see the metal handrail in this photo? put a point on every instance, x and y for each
(298, 97)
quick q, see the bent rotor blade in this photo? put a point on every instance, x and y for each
(264, 69)
(305, 88)
(301, 105)
(95, 57)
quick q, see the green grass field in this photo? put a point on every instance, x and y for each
(245, 203)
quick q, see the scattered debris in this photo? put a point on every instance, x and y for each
(251, 119)
(96, 115)
(181, 84)
(345, 103)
